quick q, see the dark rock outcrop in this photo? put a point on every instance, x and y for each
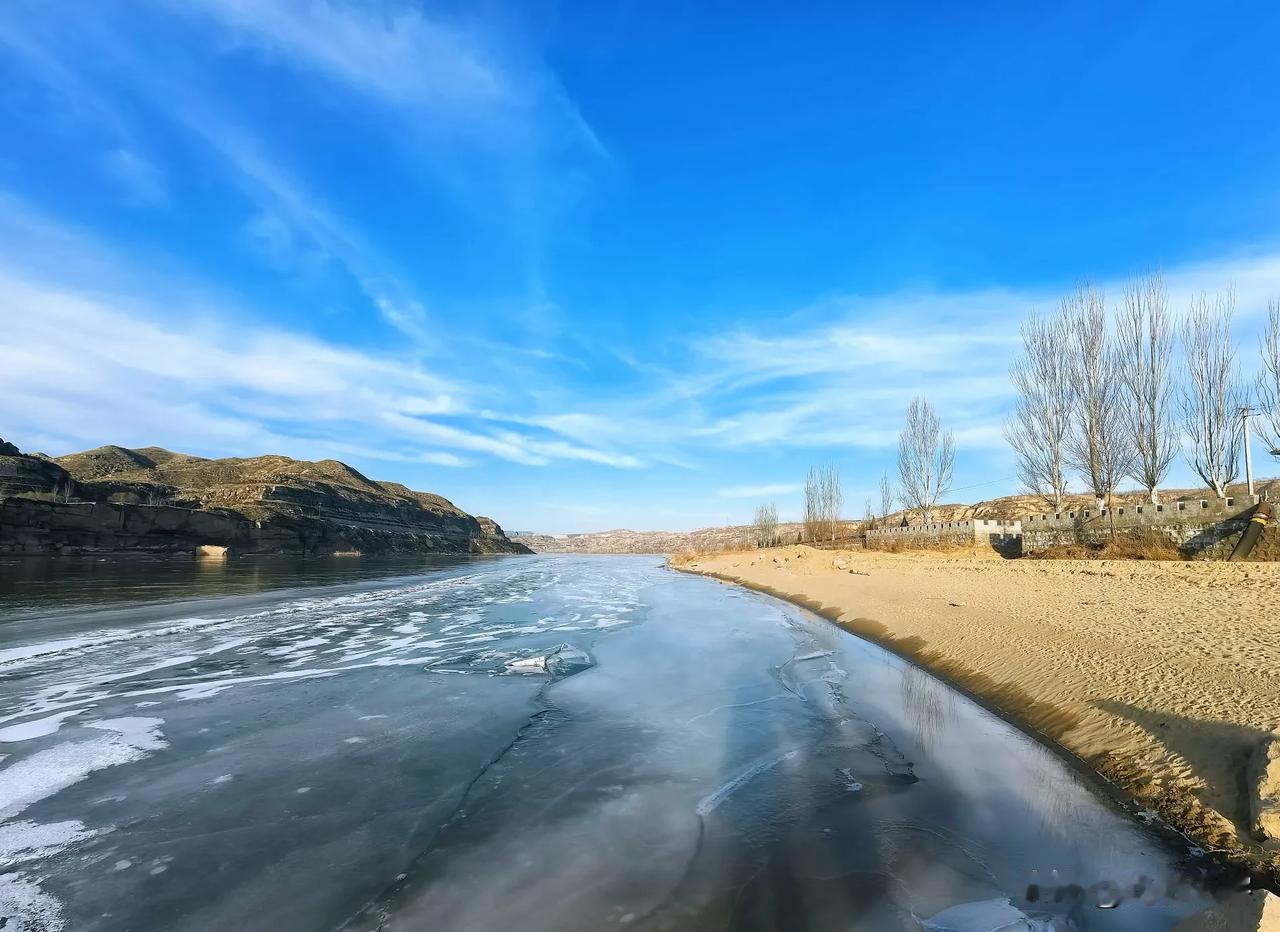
(114, 499)
(33, 476)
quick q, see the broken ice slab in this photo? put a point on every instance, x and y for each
(560, 662)
(998, 915)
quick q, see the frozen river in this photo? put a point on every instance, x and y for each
(529, 742)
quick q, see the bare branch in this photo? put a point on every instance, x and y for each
(766, 525)
(926, 456)
(823, 499)
(1145, 347)
(1269, 379)
(887, 497)
(1041, 418)
(1212, 394)
(1098, 449)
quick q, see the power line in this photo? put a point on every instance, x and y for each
(979, 485)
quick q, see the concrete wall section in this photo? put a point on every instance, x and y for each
(1205, 528)
(1004, 536)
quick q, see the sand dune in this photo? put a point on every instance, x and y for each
(1164, 676)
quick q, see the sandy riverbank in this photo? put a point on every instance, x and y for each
(1163, 676)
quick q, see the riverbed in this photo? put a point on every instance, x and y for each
(563, 742)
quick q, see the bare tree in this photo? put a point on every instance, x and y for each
(1145, 346)
(766, 525)
(926, 455)
(1269, 378)
(1098, 449)
(1212, 394)
(887, 497)
(869, 517)
(823, 499)
(1041, 418)
(833, 497)
(812, 505)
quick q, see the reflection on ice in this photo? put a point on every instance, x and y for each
(928, 702)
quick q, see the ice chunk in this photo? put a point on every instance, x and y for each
(563, 661)
(567, 660)
(997, 915)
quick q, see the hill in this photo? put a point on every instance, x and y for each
(166, 501)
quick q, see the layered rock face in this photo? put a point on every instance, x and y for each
(114, 499)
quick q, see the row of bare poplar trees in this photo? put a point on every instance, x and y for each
(1107, 397)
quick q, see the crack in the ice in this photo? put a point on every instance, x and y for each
(388, 892)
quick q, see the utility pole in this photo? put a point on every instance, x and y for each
(1248, 457)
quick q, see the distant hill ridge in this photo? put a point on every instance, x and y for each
(258, 504)
(1006, 508)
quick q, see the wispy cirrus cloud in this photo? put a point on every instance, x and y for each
(141, 180)
(393, 52)
(464, 104)
(294, 225)
(89, 357)
(840, 373)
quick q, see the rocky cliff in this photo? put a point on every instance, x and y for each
(114, 499)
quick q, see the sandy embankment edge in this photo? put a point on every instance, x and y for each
(1161, 678)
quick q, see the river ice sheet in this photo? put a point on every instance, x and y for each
(549, 743)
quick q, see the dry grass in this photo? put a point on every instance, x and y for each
(1132, 545)
(685, 557)
(921, 543)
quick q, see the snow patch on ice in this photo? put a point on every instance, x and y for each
(27, 907)
(39, 728)
(30, 841)
(53, 770)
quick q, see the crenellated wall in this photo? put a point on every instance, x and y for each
(1003, 536)
(1203, 528)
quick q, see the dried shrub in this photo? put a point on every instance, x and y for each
(1144, 544)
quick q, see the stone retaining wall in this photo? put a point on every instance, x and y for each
(1204, 528)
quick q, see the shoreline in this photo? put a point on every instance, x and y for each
(1121, 758)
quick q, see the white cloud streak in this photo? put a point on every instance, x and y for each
(393, 52)
(80, 369)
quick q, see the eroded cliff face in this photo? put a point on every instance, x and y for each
(151, 500)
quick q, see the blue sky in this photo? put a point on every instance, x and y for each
(589, 265)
